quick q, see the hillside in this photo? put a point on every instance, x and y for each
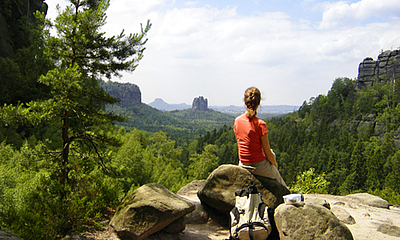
(179, 124)
(349, 136)
(185, 124)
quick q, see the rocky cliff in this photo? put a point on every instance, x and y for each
(128, 93)
(386, 67)
(200, 104)
(14, 17)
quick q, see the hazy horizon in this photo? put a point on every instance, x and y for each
(211, 105)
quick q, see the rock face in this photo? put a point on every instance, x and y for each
(12, 37)
(219, 189)
(128, 93)
(200, 104)
(8, 235)
(386, 67)
(309, 221)
(148, 210)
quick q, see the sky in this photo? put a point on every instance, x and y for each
(291, 50)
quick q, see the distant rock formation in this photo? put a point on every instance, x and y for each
(128, 93)
(200, 104)
(12, 35)
(386, 67)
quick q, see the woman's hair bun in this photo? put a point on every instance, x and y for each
(252, 98)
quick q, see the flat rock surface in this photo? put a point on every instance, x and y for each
(370, 222)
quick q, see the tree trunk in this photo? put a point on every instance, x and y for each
(65, 149)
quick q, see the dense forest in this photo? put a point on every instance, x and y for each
(70, 152)
(348, 136)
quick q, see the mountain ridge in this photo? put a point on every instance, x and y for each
(160, 104)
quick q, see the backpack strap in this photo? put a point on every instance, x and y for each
(236, 213)
(251, 226)
(261, 209)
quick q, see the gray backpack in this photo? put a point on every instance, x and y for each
(251, 219)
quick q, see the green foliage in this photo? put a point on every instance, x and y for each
(145, 158)
(68, 190)
(309, 182)
(347, 134)
(389, 194)
(203, 164)
(19, 72)
(30, 200)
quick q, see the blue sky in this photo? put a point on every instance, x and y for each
(291, 50)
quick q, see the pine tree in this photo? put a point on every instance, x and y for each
(82, 55)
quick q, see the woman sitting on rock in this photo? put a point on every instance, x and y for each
(251, 132)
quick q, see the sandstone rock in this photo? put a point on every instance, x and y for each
(219, 190)
(8, 235)
(128, 93)
(199, 216)
(371, 200)
(309, 221)
(386, 67)
(389, 230)
(148, 210)
(176, 226)
(192, 187)
(343, 215)
(200, 104)
(163, 235)
(318, 201)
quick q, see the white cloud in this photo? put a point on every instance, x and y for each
(195, 49)
(342, 14)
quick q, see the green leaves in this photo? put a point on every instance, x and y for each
(203, 164)
(309, 182)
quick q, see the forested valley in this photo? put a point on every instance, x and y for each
(69, 153)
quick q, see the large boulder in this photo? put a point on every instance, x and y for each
(370, 200)
(148, 210)
(309, 221)
(200, 215)
(220, 187)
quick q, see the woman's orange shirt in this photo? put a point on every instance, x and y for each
(248, 135)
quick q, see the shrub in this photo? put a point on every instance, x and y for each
(308, 182)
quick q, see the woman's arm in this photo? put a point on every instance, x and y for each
(267, 150)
